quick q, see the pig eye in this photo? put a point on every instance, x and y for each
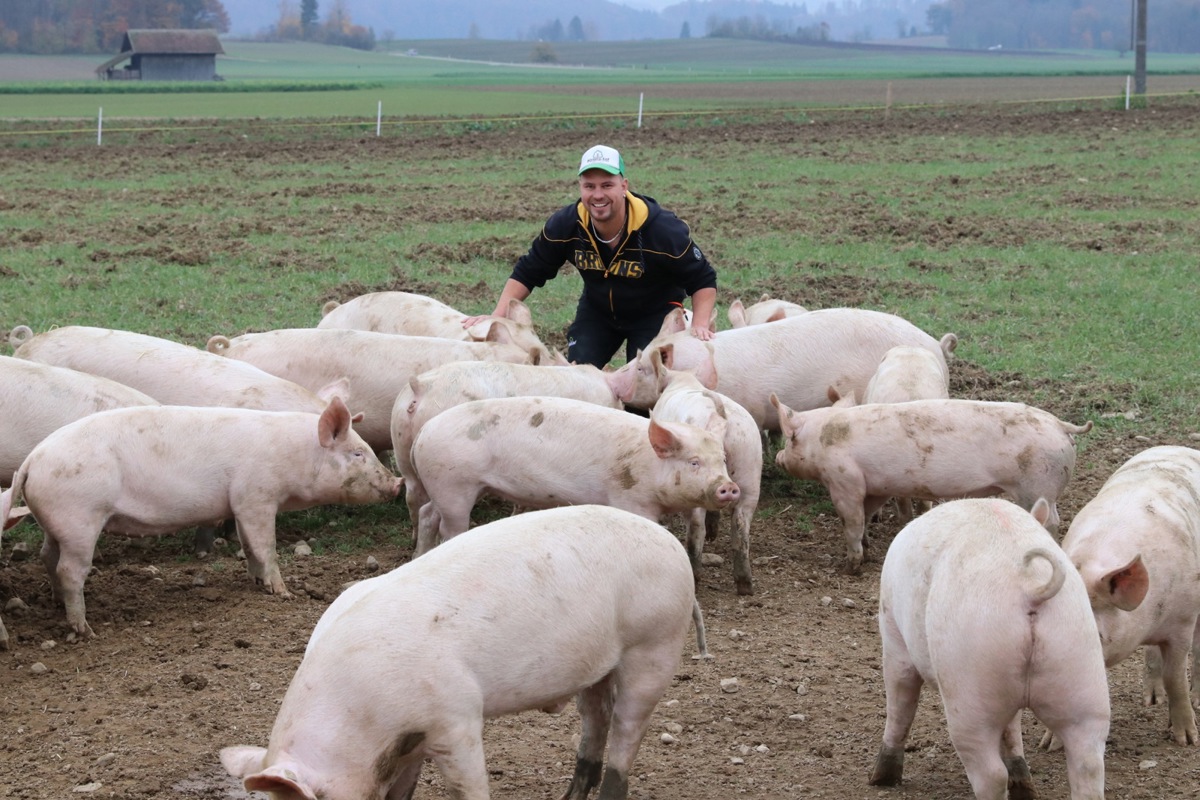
(694, 463)
(358, 454)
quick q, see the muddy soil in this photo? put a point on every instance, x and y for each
(189, 657)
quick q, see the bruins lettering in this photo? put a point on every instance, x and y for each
(621, 267)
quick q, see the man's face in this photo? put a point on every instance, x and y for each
(603, 193)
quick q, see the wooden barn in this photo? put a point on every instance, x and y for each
(165, 55)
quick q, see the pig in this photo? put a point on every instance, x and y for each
(541, 452)
(38, 399)
(927, 449)
(419, 315)
(376, 365)
(151, 470)
(435, 390)
(1136, 545)
(767, 309)
(796, 358)
(685, 399)
(976, 599)
(171, 372)
(407, 666)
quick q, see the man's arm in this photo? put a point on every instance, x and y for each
(704, 301)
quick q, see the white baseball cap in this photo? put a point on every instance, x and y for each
(602, 157)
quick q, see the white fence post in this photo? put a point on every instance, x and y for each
(378, 118)
(641, 98)
(1127, 79)
(100, 125)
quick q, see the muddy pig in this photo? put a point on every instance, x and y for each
(407, 666)
(157, 469)
(540, 452)
(977, 600)
(1137, 546)
(927, 449)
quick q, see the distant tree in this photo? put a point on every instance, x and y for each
(939, 17)
(473, 31)
(543, 53)
(308, 17)
(556, 32)
(575, 30)
(685, 32)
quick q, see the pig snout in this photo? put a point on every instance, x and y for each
(372, 486)
(726, 494)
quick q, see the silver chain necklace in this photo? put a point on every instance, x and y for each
(615, 236)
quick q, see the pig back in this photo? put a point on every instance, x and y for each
(171, 372)
(504, 601)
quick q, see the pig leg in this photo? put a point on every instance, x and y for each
(1083, 742)
(415, 497)
(871, 506)
(1153, 690)
(642, 677)
(903, 689)
(712, 525)
(696, 530)
(1174, 662)
(739, 534)
(256, 531)
(1012, 748)
(458, 752)
(595, 710)
(406, 782)
(977, 742)
(850, 509)
(68, 561)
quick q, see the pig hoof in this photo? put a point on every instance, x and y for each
(889, 767)
(1020, 782)
(1050, 742)
(745, 588)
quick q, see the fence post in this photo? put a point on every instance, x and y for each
(99, 125)
(378, 118)
(641, 97)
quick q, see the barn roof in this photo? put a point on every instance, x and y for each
(175, 41)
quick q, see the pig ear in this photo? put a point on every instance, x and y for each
(786, 428)
(334, 423)
(1041, 511)
(777, 315)
(663, 439)
(737, 314)
(706, 370)
(662, 358)
(518, 312)
(1127, 586)
(673, 322)
(497, 333)
(282, 779)
(339, 388)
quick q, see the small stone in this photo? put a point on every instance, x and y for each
(20, 551)
(72, 638)
(106, 759)
(37, 668)
(1195, 437)
(198, 627)
(302, 549)
(219, 542)
(736, 760)
(667, 738)
(241, 555)
(826, 600)
(193, 682)
(1148, 764)
(729, 685)
(762, 561)
(15, 604)
(198, 581)
(150, 569)
(372, 564)
(711, 560)
(848, 603)
(674, 727)
(798, 717)
(671, 703)
(744, 749)
(88, 787)
(762, 748)
(802, 689)
(256, 687)
(1143, 439)
(735, 634)
(49, 644)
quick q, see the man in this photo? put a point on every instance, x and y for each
(637, 261)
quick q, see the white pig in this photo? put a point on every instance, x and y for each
(976, 599)
(685, 399)
(407, 666)
(1137, 546)
(420, 315)
(796, 358)
(38, 399)
(376, 365)
(927, 449)
(171, 372)
(151, 470)
(541, 452)
(432, 392)
(767, 309)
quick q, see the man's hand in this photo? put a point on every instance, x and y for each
(701, 332)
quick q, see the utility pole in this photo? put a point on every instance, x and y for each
(1139, 48)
